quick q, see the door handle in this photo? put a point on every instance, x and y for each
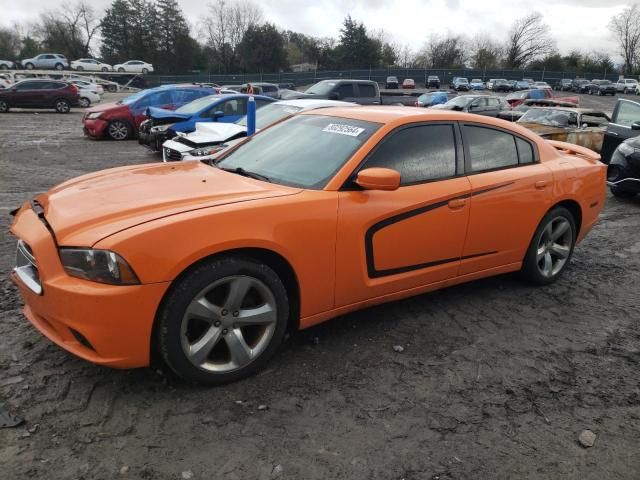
(457, 203)
(541, 184)
(615, 134)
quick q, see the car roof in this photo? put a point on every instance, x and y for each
(309, 104)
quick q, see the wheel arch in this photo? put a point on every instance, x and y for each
(574, 208)
(274, 260)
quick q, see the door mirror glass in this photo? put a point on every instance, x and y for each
(377, 178)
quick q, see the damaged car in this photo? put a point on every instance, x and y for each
(162, 124)
(516, 98)
(487, 105)
(578, 126)
(623, 173)
(515, 114)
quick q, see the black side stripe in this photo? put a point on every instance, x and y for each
(368, 238)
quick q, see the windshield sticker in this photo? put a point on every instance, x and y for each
(343, 129)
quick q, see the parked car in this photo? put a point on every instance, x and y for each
(46, 61)
(516, 98)
(578, 126)
(542, 85)
(601, 87)
(287, 86)
(99, 89)
(408, 84)
(625, 123)
(501, 85)
(460, 84)
(236, 88)
(486, 105)
(433, 81)
(514, 114)
(490, 83)
(121, 120)
(364, 92)
(626, 85)
(90, 64)
(476, 84)
(529, 81)
(6, 65)
(162, 124)
(392, 83)
(208, 265)
(580, 85)
(210, 139)
(262, 88)
(134, 66)
(512, 85)
(88, 96)
(40, 93)
(432, 98)
(623, 173)
(564, 85)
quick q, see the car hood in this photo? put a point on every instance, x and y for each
(214, 132)
(87, 209)
(166, 116)
(105, 106)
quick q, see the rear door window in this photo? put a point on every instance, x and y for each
(345, 90)
(490, 149)
(367, 90)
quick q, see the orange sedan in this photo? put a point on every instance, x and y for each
(209, 264)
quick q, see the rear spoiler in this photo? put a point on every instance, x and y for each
(571, 149)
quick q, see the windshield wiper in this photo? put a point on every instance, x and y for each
(246, 173)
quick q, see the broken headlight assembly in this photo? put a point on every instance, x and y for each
(103, 266)
(204, 151)
(93, 115)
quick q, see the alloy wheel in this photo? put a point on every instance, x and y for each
(229, 324)
(554, 247)
(85, 103)
(62, 106)
(118, 130)
(4, 106)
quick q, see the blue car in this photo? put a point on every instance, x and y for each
(476, 84)
(163, 124)
(431, 99)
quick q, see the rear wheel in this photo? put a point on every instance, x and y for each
(105, 69)
(85, 102)
(223, 321)
(4, 106)
(29, 66)
(80, 68)
(551, 247)
(145, 71)
(4, 67)
(118, 130)
(62, 106)
(121, 69)
(59, 66)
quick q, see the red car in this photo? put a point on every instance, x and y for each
(408, 83)
(121, 120)
(40, 93)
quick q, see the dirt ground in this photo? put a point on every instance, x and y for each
(496, 381)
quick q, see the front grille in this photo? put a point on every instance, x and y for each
(26, 268)
(172, 155)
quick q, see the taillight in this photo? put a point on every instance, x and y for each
(74, 89)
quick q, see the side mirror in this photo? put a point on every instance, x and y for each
(218, 114)
(474, 106)
(378, 179)
(635, 126)
(334, 96)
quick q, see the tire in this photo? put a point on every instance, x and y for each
(621, 192)
(145, 71)
(59, 66)
(119, 130)
(85, 102)
(547, 257)
(29, 66)
(62, 106)
(104, 69)
(112, 88)
(79, 68)
(4, 67)
(202, 305)
(121, 70)
(4, 106)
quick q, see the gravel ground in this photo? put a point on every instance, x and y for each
(497, 379)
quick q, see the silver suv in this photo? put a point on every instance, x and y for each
(626, 85)
(46, 61)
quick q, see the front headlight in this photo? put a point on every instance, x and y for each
(626, 149)
(101, 266)
(93, 115)
(160, 128)
(204, 151)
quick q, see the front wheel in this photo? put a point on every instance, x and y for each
(223, 321)
(551, 247)
(29, 66)
(79, 68)
(4, 106)
(118, 130)
(145, 71)
(4, 67)
(105, 69)
(85, 102)
(121, 69)
(59, 66)
(62, 106)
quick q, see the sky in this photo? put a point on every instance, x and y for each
(574, 24)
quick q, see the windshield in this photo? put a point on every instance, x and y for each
(197, 105)
(517, 95)
(269, 114)
(321, 88)
(550, 117)
(460, 101)
(476, 80)
(462, 80)
(303, 151)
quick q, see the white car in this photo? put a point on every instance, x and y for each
(91, 65)
(88, 96)
(87, 84)
(210, 138)
(6, 64)
(626, 85)
(134, 66)
(541, 85)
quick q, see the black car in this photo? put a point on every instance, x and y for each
(502, 86)
(601, 87)
(623, 174)
(433, 81)
(625, 124)
(392, 83)
(563, 85)
(580, 85)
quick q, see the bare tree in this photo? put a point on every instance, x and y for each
(72, 29)
(225, 26)
(443, 51)
(626, 28)
(485, 52)
(528, 39)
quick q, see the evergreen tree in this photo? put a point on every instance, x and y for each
(262, 49)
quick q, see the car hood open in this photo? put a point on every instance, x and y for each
(87, 209)
(166, 116)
